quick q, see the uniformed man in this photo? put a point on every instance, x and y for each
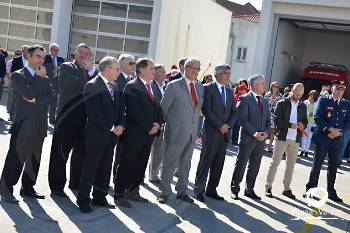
(331, 118)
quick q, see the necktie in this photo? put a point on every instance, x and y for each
(223, 96)
(194, 96)
(150, 92)
(260, 104)
(110, 88)
(54, 61)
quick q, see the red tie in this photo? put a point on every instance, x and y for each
(150, 92)
(260, 104)
(194, 96)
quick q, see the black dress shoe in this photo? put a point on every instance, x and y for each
(31, 193)
(162, 199)
(268, 193)
(85, 208)
(200, 197)
(156, 181)
(73, 187)
(252, 195)
(185, 198)
(234, 196)
(214, 196)
(9, 199)
(121, 201)
(102, 204)
(335, 198)
(301, 154)
(59, 193)
(288, 194)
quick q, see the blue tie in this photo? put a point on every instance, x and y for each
(223, 97)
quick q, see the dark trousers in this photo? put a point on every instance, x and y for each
(96, 172)
(52, 109)
(117, 155)
(247, 153)
(212, 158)
(24, 151)
(132, 167)
(65, 141)
(324, 148)
(1, 86)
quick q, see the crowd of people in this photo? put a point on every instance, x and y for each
(115, 118)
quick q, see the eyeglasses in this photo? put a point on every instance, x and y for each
(195, 68)
(132, 63)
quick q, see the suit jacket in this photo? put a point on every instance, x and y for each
(103, 112)
(156, 92)
(17, 64)
(180, 116)
(70, 109)
(175, 76)
(50, 67)
(281, 118)
(141, 113)
(216, 114)
(31, 118)
(251, 119)
(121, 81)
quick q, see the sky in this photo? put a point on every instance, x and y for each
(255, 3)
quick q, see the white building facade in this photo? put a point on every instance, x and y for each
(165, 30)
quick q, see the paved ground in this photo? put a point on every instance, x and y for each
(269, 215)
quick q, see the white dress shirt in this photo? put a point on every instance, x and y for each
(31, 70)
(293, 119)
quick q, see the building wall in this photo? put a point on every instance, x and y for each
(244, 34)
(289, 54)
(192, 28)
(321, 10)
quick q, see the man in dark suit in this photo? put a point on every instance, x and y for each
(182, 70)
(254, 115)
(143, 120)
(70, 121)
(105, 121)
(127, 66)
(17, 63)
(158, 146)
(29, 128)
(52, 63)
(332, 117)
(220, 115)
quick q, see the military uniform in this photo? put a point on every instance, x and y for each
(328, 113)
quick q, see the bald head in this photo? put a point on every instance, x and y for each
(297, 91)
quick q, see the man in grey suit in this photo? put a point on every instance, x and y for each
(181, 106)
(254, 116)
(220, 115)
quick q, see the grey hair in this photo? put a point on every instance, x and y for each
(219, 68)
(190, 61)
(106, 62)
(254, 79)
(82, 45)
(297, 85)
(125, 56)
(53, 45)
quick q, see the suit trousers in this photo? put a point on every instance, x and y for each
(96, 172)
(52, 109)
(65, 141)
(157, 155)
(132, 167)
(117, 155)
(323, 148)
(176, 155)
(251, 155)
(212, 159)
(291, 148)
(24, 151)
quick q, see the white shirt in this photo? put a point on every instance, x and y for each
(161, 87)
(126, 76)
(92, 71)
(8, 66)
(220, 86)
(25, 61)
(54, 60)
(31, 70)
(293, 119)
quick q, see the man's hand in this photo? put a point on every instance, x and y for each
(30, 100)
(118, 130)
(330, 135)
(260, 136)
(154, 129)
(224, 128)
(294, 126)
(40, 71)
(87, 64)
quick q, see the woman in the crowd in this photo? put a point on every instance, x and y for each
(273, 96)
(306, 140)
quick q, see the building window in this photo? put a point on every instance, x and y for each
(112, 28)
(242, 54)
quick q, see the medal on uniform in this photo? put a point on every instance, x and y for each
(329, 114)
